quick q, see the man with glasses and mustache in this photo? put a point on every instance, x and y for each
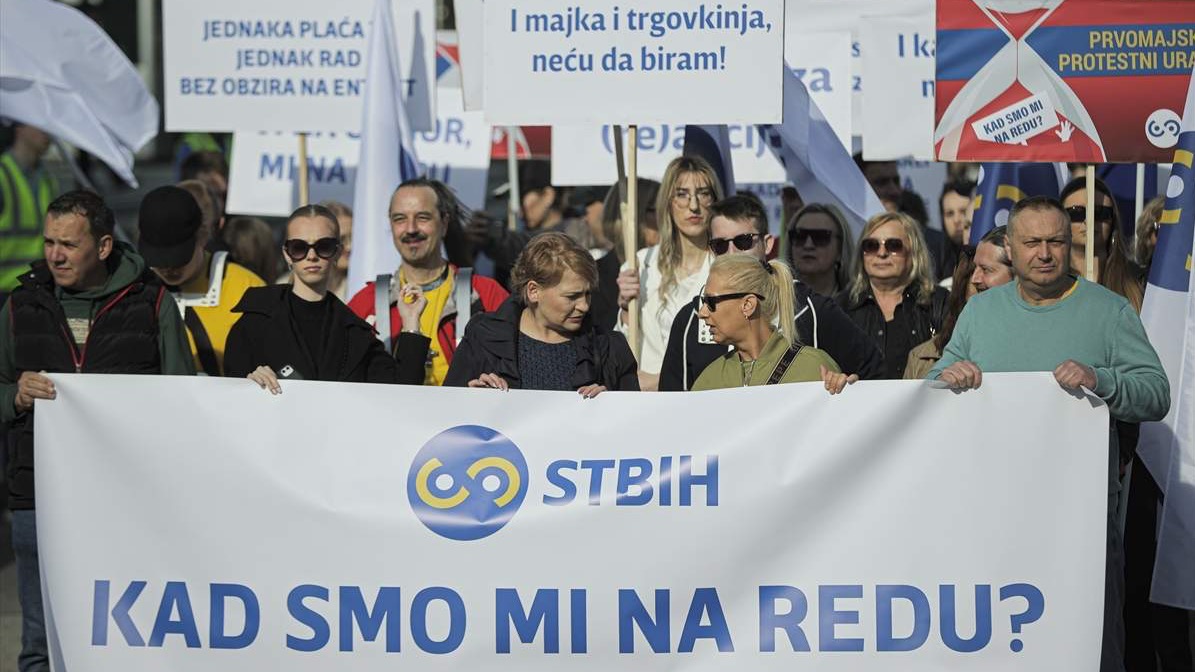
(174, 236)
(1051, 319)
(739, 225)
(422, 213)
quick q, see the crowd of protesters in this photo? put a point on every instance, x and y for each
(721, 303)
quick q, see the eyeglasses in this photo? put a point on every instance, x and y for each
(873, 245)
(682, 197)
(711, 301)
(742, 243)
(325, 248)
(1078, 213)
(819, 237)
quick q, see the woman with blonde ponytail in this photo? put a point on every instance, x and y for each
(743, 301)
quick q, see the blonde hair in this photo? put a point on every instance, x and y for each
(670, 249)
(1143, 250)
(772, 280)
(920, 271)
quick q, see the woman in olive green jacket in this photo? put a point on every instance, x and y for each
(743, 298)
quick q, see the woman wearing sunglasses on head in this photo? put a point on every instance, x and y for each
(301, 331)
(542, 337)
(743, 298)
(893, 296)
(1114, 268)
(819, 247)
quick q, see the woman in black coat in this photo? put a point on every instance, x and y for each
(301, 331)
(542, 337)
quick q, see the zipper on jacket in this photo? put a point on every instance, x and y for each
(80, 357)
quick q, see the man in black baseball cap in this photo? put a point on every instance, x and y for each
(205, 285)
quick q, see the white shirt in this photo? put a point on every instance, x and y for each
(656, 313)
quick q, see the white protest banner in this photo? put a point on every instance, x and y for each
(1016, 123)
(285, 65)
(264, 166)
(822, 61)
(469, 15)
(602, 61)
(899, 69)
(583, 154)
(364, 527)
(812, 16)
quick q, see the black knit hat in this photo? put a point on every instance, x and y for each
(168, 221)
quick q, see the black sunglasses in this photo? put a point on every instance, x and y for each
(819, 237)
(325, 248)
(873, 245)
(742, 242)
(1078, 213)
(711, 301)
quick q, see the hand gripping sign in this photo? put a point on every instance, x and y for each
(1031, 98)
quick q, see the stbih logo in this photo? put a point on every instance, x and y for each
(467, 482)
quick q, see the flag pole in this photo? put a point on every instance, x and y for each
(1139, 201)
(630, 228)
(1092, 234)
(513, 204)
(304, 193)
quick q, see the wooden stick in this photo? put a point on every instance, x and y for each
(1092, 234)
(304, 191)
(630, 230)
(513, 202)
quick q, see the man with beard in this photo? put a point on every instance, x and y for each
(422, 211)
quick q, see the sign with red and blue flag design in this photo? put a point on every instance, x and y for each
(1090, 81)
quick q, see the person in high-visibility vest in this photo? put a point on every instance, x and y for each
(26, 190)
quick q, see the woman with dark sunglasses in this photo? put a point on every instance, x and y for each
(743, 298)
(893, 296)
(819, 246)
(301, 331)
(1114, 268)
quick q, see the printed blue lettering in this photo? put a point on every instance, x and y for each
(175, 598)
(320, 631)
(770, 620)
(634, 473)
(632, 613)
(709, 480)
(705, 601)
(386, 609)
(457, 620)
(220, 593)
(983, 619)
(120, 614)
(545, 612)
(829, 616)
(568, 490)
(886, 639)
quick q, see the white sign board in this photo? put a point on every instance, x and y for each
(822, 61)
(898, 117)
(536, 531)
(608, 61)
(262, 176)
(583, 154)
(470, 15)
(813, 16)
(286, 65)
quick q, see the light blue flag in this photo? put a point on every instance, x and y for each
(814, 159)
(1001, 185)
(387, 154)
(1168, 448)
(712, 143)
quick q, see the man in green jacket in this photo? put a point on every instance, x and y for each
(90, 306)
(1089, 337)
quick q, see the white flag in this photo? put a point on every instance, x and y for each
(387, 155)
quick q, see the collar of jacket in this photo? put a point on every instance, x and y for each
(498, 334)
(910, 292)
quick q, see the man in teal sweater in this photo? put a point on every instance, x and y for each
(1051, 320)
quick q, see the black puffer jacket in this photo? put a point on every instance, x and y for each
(266, 335)
(491, 345)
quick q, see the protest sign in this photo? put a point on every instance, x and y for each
(286, 65)
(317, 529)
(262, 175)
(602, 61)
(813, 16)
(583, 154)
(469, 15)
(822, 61)
(899, 68)
(1066, 80)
